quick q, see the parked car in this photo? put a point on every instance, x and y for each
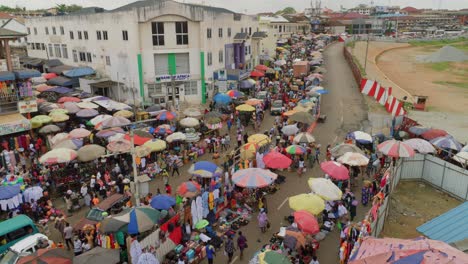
(277, 107)
(14, 230)
(112, 205)
(25, 247)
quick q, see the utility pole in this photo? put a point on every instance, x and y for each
(135, 172)
(367, 50)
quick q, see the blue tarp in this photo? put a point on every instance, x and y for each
(26, 74)
(79, 72)
(62, 81)
(7, 76)
(7, 192)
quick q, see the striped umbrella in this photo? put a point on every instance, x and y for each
(296, 149)
(420, 145)
(354, 159)
(360, 137)
(166, 115)
(325, 188)
(79, 133)
(248, 150)
(309, 202)
(259, 139)
(205, 169)
(162, 202)
(156, 144)
(120, 145)
(235, 93)
(138, 219)
(304, 138)
(164, 129)
(47, 256)
(189, 189)
(253, 178)
(110, 132)
(336, 170)
(447, 142)
(396, 149)
(58, 155)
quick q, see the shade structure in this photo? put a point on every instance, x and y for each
(256, 73)
(123, 113)
(276, 160)
(245, 108)
(68, 99)
(58, 111)
(361, 137)
(166, 115)
(47, 256)
(301, 109)
(153, 108)
(253, 101)
(110, 132)
(41, 119)
(189, 122)
(58, 137)
(189, 189)
(290, 130)
(116, 137)
(302, 117)
(58, 155)
(79, 72)
(213, 114)
(221, 98)
(79, 133)
(71, 107)
(306, 222)
(446, 142)
(73, 144)
(253, 178)
(335, 170)
(192, 112)
(235, 93)
(155, 144)
(290, 112)
(353, 159)
(9, 191)
(99, 118)
(120, 145)
(248, 150)
(341, 149)
(420, 145)
(205, 169)
(177, 136)
(57, 118)
(137, 139)
(202, 224)
(49, 129)
(138, 219)
(433, 133)
(296, 150)
(43, 87)
(273, 257)
(115, 121)
(87, 105)
(87, 113)
(259, 139)
(304, 137)
(98, 255)
(462, 158)
(325, 188)
(261, 67)
(90, 152)
(162, 202)
(396, 149)
(418, 130)
(308, 202)
(142, 151)
(164, 129)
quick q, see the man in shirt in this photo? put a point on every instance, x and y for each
(77, 246)
(67, 235)
(210, 253)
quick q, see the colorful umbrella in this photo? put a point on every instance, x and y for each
(201, 224)
(98, 255)
(162, 202)
(98, 119)
(139, 219)
(156, 144)
(418, 130)
(304, 137)
(336, 170)
(87, 105)
(142, 151)
(309, 202)
(192, 112)
(221, 98)
(58, 137)
(325, 188)
(276, 160)
(123, 113)
(248, 150)
(296, 149)
(434, 133)
(256, 74)
(341, 149)
(306, 222)
(57, 118)
(73, 144)
(79, 133)
(353, 159)
(177, 136)
(189, 122)
(302, 117)
(49, 129)
(261, 67)
(138, 139)
(189, 189)
(235, 93)
(273, 257)
(58, 155)
(86, 113)
(396, 149)
(166, 115)
(64, 99)
(361, 137)
(245, 108)
(447, 142)
(462, 158)
(253, 178)
(120, 145)
(205, 169)
(115, 121)
(253, 101)
(259, 139)
(47, 256)
(71, 107)
(110, 132)
(420, 145)
(163, 129)
(90, 152)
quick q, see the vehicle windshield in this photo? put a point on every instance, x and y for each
(10, 257)
(278, 104)
(95, 215)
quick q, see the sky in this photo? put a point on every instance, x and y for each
(252, 6)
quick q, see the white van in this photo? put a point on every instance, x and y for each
(26, 247)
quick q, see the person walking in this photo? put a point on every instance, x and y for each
(241, 244)
(210, 253)
(229, 248)
(77, 246)
(317, 154)
(314, 260)
(239, 140)
(175, 167)
(262, 220)
(68, 235)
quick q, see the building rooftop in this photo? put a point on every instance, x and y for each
(259, 34)
(4, 15)
(274, 19)
(6, 33)
(146, 3)
(410, 9)
(241, 36)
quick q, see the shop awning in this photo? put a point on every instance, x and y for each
(112, 105)
(104, 84)
(52, 63)
(13, 123)
(241, 37)
(33, 62)
(26, 74)
(60, 69)
(7, 76)
(79, 72)
(259, 35)
(62, 81)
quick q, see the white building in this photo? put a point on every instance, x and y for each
(144, 44)
(14, 24)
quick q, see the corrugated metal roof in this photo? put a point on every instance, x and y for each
(449, 227)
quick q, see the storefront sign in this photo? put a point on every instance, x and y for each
(15, 127)
(27, 106)
(177, 77)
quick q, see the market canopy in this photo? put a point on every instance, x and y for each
(62, 81)
(26, 74)
(205, 169)
(7, 76)
(60, 69)
(79, 72)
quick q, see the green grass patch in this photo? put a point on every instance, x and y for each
(438, 42)
(440, 66)
(463, 85)
(351, 44)
(361, 69)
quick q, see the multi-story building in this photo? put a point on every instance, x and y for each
(152, 45)
(16, 24)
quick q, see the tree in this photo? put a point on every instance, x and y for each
(287, 10)
(4, 8)
(63, 8)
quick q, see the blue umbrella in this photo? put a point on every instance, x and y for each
(418, 130)
(447, 142)
(205, 169)
(79, 71)
(10, 191)
(222, 98)
(322, 91)
(162, 202)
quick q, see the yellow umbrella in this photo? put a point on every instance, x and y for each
(248, 150)
(155, 144)
(87, 105)
(58, 111)
(59, 117)
(245, 108)
(40, 120)
(142, 151)
(301, 108)
(253, 101)
(124, 113)
(289, 113)
(259, 139)
(310, 202)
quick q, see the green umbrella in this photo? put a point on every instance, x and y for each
(201, 224)
(273, 257)
(42, 119)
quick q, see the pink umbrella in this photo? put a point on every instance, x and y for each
(276, 160)
(396, 149)
(306, 222)
(79, 133)
(336, 170)
(253, 178)
(120, 145)
(68, 99)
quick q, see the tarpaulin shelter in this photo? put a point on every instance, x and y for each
(62, 81)
(26, 74)
(79, 72)
(7, 76)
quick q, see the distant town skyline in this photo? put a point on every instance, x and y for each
(245, 6)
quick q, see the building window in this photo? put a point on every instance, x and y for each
(29, 31)
(62, 31)
(88, 57)
(51, 50)
(108, 62)
(229, 32)
(33, 47)
(220, 32)
(35, 31)
(64, 51)
(182, 33)
(250, 49)
(58, 52)
(82, 56)
(124, 34)
(191, 88)
(79, 35)
(42, 46)
(54, 31)
(280, 29)
(157, 30)
(71, 35)
(250, 31)
(208, 33)
(98, 35)
(75, 56)
(242, 30)
(38, 46)
(85, 33)
(221, 56)
(209, 58)
(46, 30)
(104, 35)
(155, 89)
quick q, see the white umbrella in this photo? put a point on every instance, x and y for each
(192, 112)
(87, 105)
(325, 188)
(461, 157)
(420, 145)
(290, 130)
(58, 137)
(353, 159)
(189, 122)
(304, 137)
(177, 136)
(99, 119)
(361, 137)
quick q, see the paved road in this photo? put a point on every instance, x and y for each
(345, 110)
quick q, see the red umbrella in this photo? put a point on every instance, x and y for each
(257, 74)
(48, 256)
(261, 67)
(336, 170)
(276, 160)
(396, 149)
(68, 99)
(189, 189)
(306, 222)
(138, 139)
(434, 133)
(49, 76)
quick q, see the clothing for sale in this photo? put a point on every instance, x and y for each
(199, 208)
(194, 212)
(34, 192)
(107, 241)
(211, 202)
(204, 199)
(12, 203)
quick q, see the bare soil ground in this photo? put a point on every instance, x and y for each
(411, 205)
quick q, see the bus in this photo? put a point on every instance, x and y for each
(15, 229)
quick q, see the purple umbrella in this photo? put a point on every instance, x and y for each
(71, 107)
(110, 132)
(60, 90)
(87, 113)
